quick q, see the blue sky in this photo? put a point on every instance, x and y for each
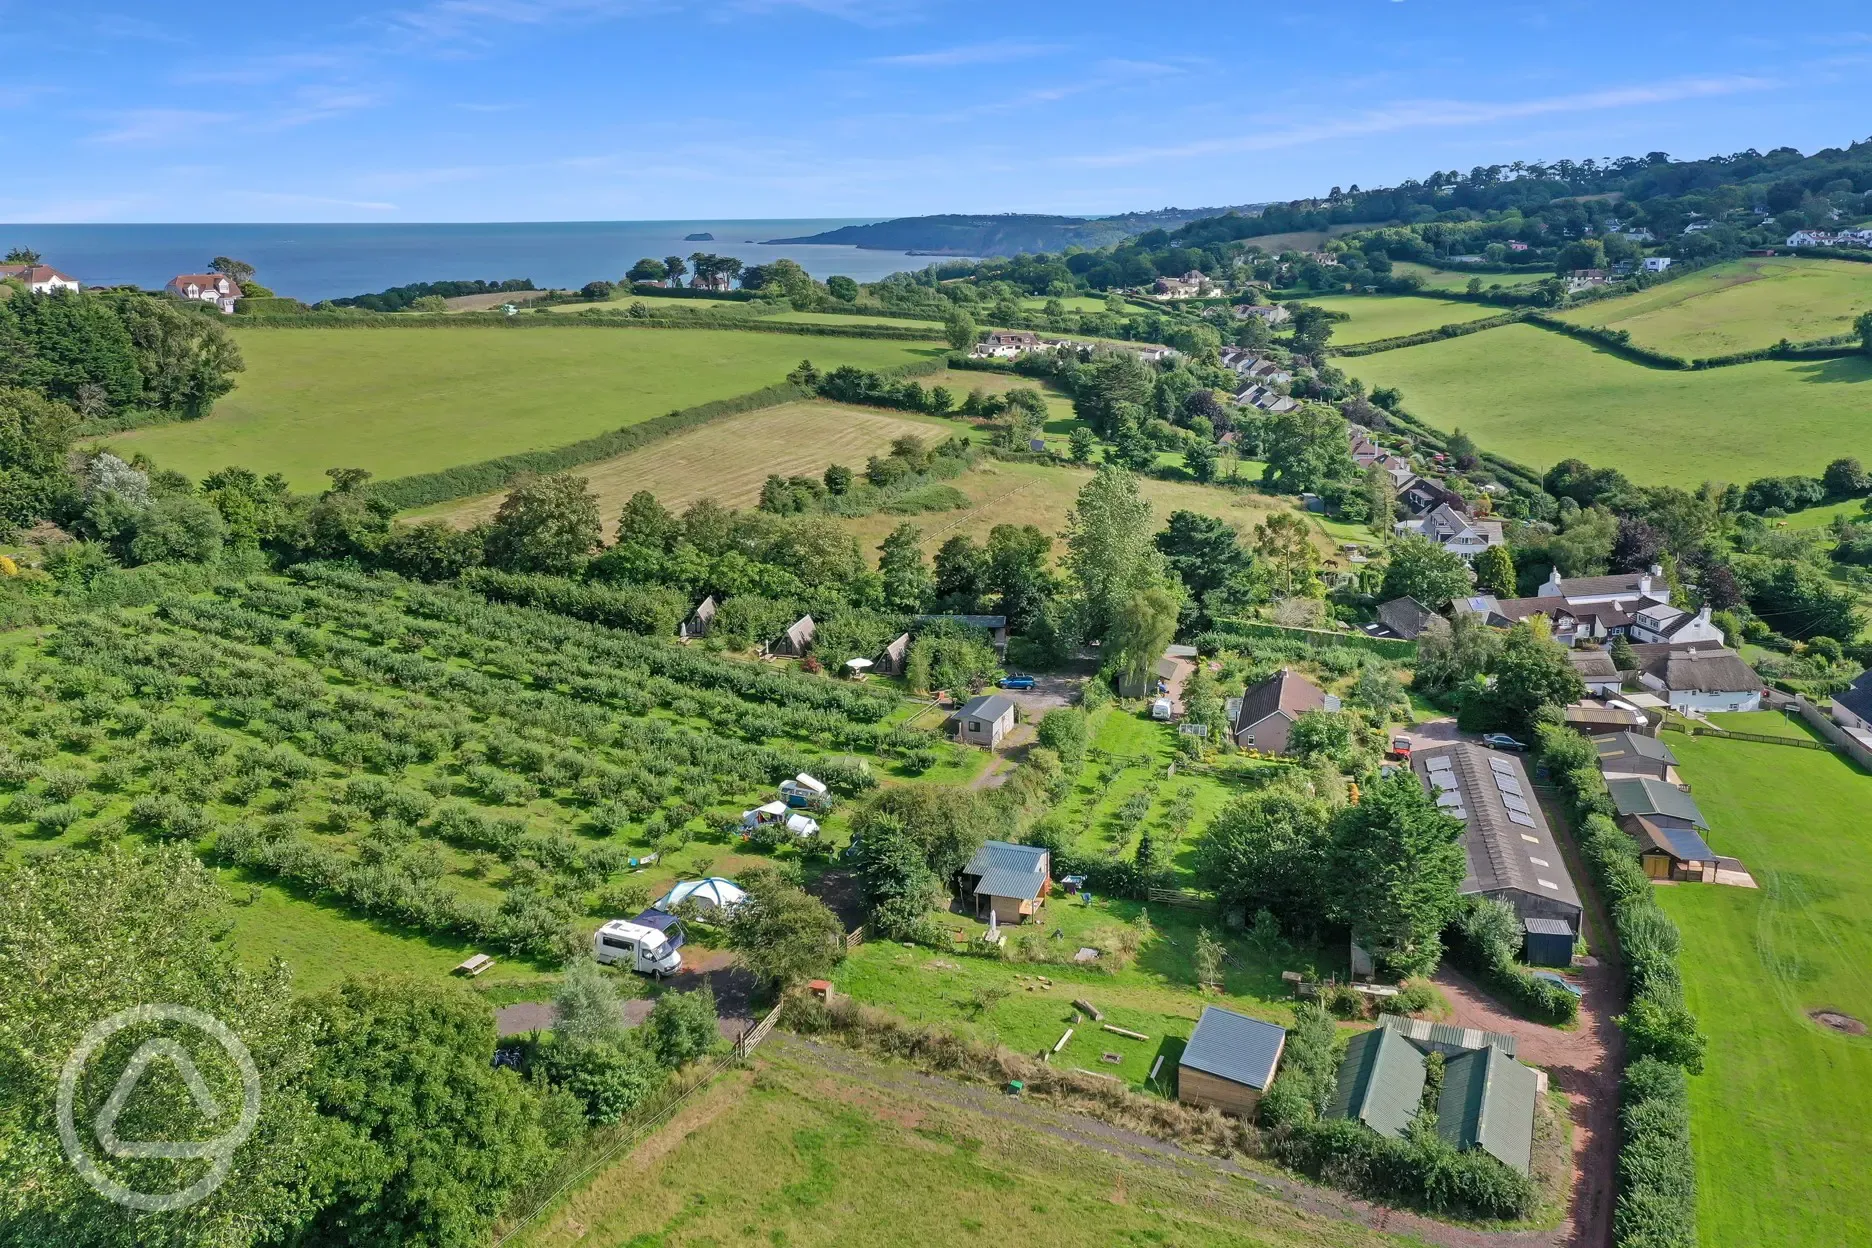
(508, 110)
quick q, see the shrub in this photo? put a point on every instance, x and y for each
(683, 1027)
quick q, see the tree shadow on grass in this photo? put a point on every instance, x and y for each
(1856, 368)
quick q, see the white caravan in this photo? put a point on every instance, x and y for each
(639, 946)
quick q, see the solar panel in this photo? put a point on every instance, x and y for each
(1451, 797)
(1502, 766)
(1515, 816)
(1507, 784)
(1440, 763)
(1440, 781)
(1514, 803)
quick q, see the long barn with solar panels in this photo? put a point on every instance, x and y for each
(1511, 851)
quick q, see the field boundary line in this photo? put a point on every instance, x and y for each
(749, 1041)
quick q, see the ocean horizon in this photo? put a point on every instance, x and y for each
(332, 261)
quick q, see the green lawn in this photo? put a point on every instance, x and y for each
(401, 401)
(795, 1155)
(1739, 306)
(1767, 723)
(1822, 517)
(1394, 316)
(1782, 1120)
(1444, 279)
(1538, 397)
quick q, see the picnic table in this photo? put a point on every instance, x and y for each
(473, 966)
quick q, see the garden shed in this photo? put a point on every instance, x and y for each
(1012, 881)
(1229, 1061)
(1547, 942)
(984, 720)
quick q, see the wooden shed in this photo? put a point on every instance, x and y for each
(984, 720)
(1010, 881)
(1229, 1061)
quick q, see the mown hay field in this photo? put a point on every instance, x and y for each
(1781, 1120)
(1444, 279)
(728, 459)
(1394, 316)
(409, 400)
(1538, 397)
(1740, 306)
(804, 1153)
(1043, 494)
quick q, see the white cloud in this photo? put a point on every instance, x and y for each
(160, 125)
(1437, 114)
(991, 53)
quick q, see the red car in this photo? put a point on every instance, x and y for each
(1400, 748)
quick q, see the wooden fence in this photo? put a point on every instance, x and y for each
(854, 938)
(750, 1039)
(1178, 897)
(1710, 730)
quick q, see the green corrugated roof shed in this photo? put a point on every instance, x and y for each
(1488, 1102)
(1381, 1082)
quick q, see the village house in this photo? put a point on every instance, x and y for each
(1005, 344)
(216, 288)
(1699, 677)
(1265, 713)
(1008, 881)
(1272, 313)
(1254, 367)
(1420, 496)
(1661, 623)
(1454, 531)
(1586, 279)
(1512, 855)
(1585, 608)
(1367, 454)
(1595, 667)
(1264, 399)
(984, 720)
(1852, 708)
(1229, 1062)
(1166, 676)
(1405, 618)
(1487, 1100)
(1656, 264)
(1191, 285)
(39, 279)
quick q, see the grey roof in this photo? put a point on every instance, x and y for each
(1617, 746)
(1641, 795)
(1505, 836)
(1381, 1082)
(1405, 616)
(973, 621)
(1283, 691)
(987, 706)
(1697, 667)
(1488, 1102)
(1857, 697)
(1618, 582)
(1593, 664)
(1009, 870)
(1445, 1038)
(1235, 1047)
(1535, 925)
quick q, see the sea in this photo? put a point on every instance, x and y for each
(314, 262)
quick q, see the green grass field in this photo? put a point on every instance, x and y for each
(1443, 279)
(799, 1156)
(1739, 306)
(1393, 316)
(1538, 397)
(1782, 1119)
(401, 401)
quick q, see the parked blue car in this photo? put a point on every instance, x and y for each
(1016, 682)
(1551, 978)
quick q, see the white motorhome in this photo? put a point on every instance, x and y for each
(653, 949)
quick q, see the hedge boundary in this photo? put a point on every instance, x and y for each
(1456, 329)
(486, 476)
(615, 319)
(1389, 647)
